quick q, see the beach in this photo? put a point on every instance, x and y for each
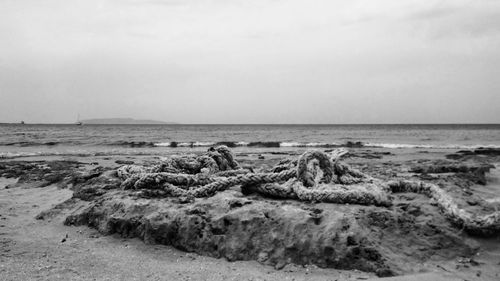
(249, 140)
(55, 227)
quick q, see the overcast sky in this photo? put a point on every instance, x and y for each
(251, 61)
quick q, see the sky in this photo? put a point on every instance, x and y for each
(251, 61)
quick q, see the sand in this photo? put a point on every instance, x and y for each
(32, 249)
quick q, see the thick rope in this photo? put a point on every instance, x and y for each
(156, 180)
(224, 183)
(475, 224)
(309, 175)
(216, 160)
(339, 194)
(369, 194)
(313, 177)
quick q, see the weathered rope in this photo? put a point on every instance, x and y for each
(308, 175)
(320, 180)
(472, 223)
(216, 160)
(224, 183)
(328, 193)
(156, 180)
(313, 177)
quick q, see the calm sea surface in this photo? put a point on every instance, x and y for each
(19, 140)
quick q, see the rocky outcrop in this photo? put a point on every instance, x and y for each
(480, 153)
(279, 232)
(475, 173)
(39, 173)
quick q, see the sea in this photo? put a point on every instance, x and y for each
(19, 140)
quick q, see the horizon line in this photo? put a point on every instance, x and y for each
(256, 124)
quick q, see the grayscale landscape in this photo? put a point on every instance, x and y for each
(249, 140)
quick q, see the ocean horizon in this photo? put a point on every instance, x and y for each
(263, 124)
(18, 140)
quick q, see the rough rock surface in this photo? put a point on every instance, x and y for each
(38, 173)
(473, 172)
(279, 232)
(480, 153)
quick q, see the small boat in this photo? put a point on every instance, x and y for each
(78, 122)
(22, 123)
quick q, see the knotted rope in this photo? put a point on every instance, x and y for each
(315, 176)
(216, 160)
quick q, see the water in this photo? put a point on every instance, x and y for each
(19, 140)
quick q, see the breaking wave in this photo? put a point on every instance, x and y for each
(31, 143)
(246, 144)
(429, 146)
(254, 144)
(12, 155)
(134, 143)
(349, 144)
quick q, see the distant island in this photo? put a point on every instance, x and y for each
(123, 121)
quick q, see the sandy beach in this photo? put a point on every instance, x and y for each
(250, 140)
(37, 245)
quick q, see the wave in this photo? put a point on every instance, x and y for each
(429, 146)
(12, 155)
(257, 144)
(309, 144)
(263, 144)
(348, 144)
(31, 143)
(90, 151)
(134, 143)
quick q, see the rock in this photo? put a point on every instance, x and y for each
(124, 162)
(368, 154)
(275, 233)
(39, 173)
(351, 144)
(475, 173)
(469, 154)
(488, 151)
(92, 184)
(214, 227)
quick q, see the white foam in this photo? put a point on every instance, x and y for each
(430, 146)
(308, 144)
(184, 144)
(167, 144)
(317, 144)
(7, 155)
(199, 143)
(398, 145)
(291, 144)
(320, 144)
